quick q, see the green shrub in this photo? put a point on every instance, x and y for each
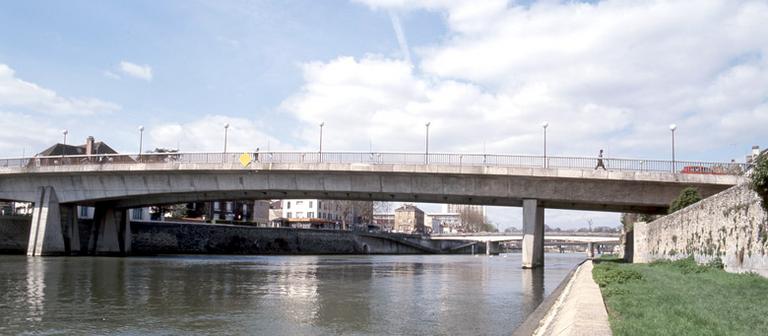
(716, 263)
(687, 265)
(687, 197)
(608, 273)
(759, 179)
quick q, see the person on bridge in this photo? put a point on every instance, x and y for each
(600, 161)
(256, 155)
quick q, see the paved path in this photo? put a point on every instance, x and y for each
(580, 310)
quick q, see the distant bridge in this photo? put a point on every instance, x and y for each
(568, 237)
(114, 183)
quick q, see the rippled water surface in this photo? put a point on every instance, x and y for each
(273, 295)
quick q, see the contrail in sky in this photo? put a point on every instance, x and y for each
(400, 36)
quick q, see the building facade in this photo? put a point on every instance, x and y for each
(385, 221)
(409, 219)
(443, 222)
(348, 214)
(459, 208)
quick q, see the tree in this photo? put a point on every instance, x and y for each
(473, 221)
(360, 209)
(759, 178)
(382, 207)
(687, 197)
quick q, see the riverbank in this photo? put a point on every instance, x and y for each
(681, 298)
(574, 308)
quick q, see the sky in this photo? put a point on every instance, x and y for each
(608, 74)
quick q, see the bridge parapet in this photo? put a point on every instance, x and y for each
(362, 160)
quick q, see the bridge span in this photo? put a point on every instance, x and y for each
(114, 183)
(513, 237)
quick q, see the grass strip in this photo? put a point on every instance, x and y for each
(681, 298)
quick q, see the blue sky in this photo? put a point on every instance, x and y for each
(611, 74)
(238, 59)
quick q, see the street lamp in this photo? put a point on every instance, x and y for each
(544, 125)
(141, 138)
(672, 128)
(426, 150)
(322, 123)
(226, 130)
(65, 132)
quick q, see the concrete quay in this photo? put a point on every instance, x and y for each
(579, 310)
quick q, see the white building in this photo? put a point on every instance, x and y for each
(314, 208)
(459, 208)
(444, 222)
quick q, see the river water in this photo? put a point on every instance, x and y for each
(273, 295)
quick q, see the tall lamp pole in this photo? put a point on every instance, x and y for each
(544, 125)
(226, 130)
(141, 139)
(65, 132)
(426, 145)
(672, 128)
(322, 123)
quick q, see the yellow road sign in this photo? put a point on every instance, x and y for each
(245, 159)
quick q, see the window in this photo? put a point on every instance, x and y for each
(137, 214)
(299, 202)
(299, 215)
(311, 214)
(83, 212)
(288, 206)
(288, 215)
(310, 204)
(319, 205)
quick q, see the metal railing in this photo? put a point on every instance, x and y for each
(445, 159)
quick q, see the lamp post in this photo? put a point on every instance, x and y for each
(544, 125)
(672, 128)
(141, 139)
(65, 132)
(226, 130)
(322, 123)
(426, 145)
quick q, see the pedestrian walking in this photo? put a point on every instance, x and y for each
(256, 155)
(600, 163)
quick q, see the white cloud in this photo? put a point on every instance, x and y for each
(207, 135)
(137, 71)
(24, 134)
(611, 74)
(110, 74)
(22, 96)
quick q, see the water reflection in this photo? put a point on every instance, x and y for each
(35, 289)
(302, 295)
(532, 284)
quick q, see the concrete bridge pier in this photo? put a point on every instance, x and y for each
(111, 233)
(54, 229)
(533, 234)
(45, 234)
(590, 250)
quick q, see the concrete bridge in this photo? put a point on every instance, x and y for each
(114, 183)
(549, 239)
(567, 237)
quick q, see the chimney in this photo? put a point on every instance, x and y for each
(89, 146)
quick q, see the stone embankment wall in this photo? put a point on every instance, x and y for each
(186, 238)
(14, 234)
(158, 238)
(731, 225)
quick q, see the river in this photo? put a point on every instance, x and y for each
(273, 295)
